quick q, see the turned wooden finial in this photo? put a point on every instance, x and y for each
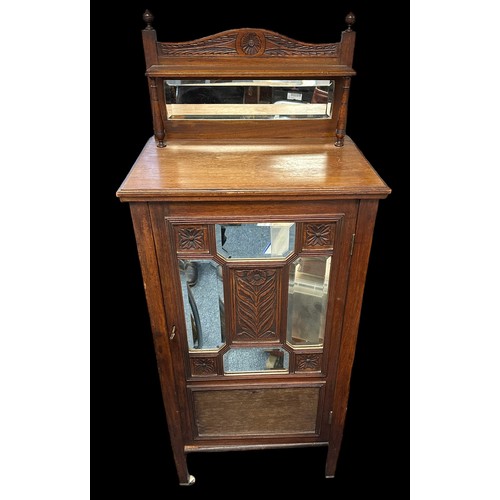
(350, 19)
(148, 19)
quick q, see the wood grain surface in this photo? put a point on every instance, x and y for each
(256, 411)
(278, 169)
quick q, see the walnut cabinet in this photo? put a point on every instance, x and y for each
(253, 213)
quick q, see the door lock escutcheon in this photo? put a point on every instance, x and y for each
(172, 333)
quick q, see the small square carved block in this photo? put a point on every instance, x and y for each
(192, 238)
(319, 236)
(203, 366)
(309, 362)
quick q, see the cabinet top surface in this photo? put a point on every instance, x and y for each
(194, 170)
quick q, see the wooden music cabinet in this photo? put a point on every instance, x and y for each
(253, 214)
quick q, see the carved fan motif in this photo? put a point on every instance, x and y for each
(250, 43)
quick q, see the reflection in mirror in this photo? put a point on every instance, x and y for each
(266, 240)
(255, 359)
(307, 300)
(248, 99)
(203, 299)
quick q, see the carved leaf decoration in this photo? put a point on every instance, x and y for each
(256, 303)
(248, 43)
(279, 45)
(218, 45)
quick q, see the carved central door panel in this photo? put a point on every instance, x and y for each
(256, 296)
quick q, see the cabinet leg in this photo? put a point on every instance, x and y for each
(331, 461)
(185, 478)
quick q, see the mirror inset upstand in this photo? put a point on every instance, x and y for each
(248, 99)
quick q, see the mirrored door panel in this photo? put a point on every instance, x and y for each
(257, 303)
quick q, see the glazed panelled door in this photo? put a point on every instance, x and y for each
(256, 338)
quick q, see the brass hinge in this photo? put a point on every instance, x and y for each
(330, 417)
(352, 243)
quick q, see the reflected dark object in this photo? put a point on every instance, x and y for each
(210, 95)
(191, 273)
(299, 94)
(203, 303)
(275, 359)
(195, 320)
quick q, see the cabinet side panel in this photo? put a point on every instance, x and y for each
(359, 264)
(149, 267)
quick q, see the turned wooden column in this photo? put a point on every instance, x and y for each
(346, 56)
(158, 127)
(151, 56)
(341, 122)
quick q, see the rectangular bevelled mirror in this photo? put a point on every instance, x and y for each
(307, 300)
(248, 99)
(263, 240)
(203, 301)
(256, 359)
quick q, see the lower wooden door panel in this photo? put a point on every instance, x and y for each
(258, 412)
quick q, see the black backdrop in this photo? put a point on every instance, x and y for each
(130, 444)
